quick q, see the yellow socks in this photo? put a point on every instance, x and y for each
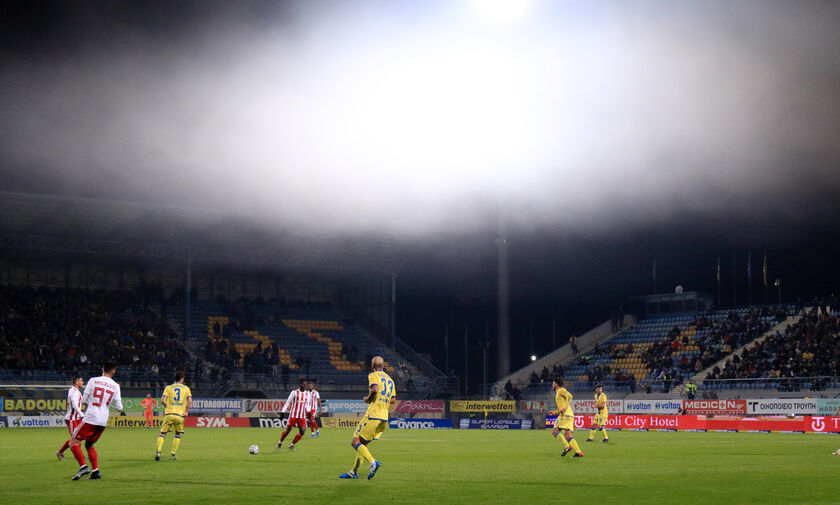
(175, 443)
(562, 440)
(575, 445)
(160, 440)
(364, 452)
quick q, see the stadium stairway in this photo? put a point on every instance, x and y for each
(564, 354)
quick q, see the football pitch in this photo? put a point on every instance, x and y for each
(427, 467)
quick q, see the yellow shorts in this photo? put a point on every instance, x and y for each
(172, 422)
(370, 429)
(600, 419)
(565, 422)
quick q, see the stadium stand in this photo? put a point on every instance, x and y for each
(805, 356)
(661, 352)
(274, 341)
(45, 333)
(252, 344)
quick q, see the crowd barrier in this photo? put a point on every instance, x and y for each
(21, 409)
(702, 423)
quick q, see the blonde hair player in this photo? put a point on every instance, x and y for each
(382, 394)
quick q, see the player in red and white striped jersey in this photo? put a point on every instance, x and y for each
(74, 414)
(100, 394)
(314, 409)
(298, 407)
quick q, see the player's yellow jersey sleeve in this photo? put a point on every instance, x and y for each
(378, 408)
(176, 398)
(601, 398)
(564, 401)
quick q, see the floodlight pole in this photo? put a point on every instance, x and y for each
(503, 295)
(188, 300)
(485, 344)
(393, 309)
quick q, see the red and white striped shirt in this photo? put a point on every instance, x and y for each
(74, 405)
(297, 404)
(314, 396)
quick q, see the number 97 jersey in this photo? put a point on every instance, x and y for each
(378, 408)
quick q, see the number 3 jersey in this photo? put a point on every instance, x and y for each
(176, 398)
(100, 393)
(378, 408)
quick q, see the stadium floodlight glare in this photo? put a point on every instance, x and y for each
(501, 11)
(533, 357)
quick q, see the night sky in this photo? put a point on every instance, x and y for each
(609, 136)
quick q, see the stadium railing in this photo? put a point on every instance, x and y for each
(782, 384)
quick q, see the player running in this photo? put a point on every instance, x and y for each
(314, 410)
(298, 406)
(177, 401)
(148, 404)
(599, 422)
(74, 415)
(565, 419)
(382, 395)
(99, 394)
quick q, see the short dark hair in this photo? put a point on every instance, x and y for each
(109, 366)
(558, 381)
(598, 386)
(179, 375)
(75, 378)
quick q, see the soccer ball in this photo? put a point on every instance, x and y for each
(254, 449)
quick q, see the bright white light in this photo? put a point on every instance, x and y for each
(501, 11)
(533, 357)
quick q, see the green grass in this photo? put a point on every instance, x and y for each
(427, 467)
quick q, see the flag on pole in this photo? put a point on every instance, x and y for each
(718, 270)
(764, 268)
(654, 269)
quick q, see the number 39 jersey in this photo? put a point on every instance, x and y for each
(100, 393)
(176, 398)
(378, 408)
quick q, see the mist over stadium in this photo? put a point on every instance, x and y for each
(461, 186)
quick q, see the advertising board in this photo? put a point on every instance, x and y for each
(588, 406)
(344, 406)
(715, 407)
(482, 406)
(420, 424)
(496, 424)
(666, 406)
(215, 405)
(419, 406)
(263, 406)
(782, 406)
(217, 422)
(341, 422)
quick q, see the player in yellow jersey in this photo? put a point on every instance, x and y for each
(599, 423)
(176, 400)
(370, 428)
(565, 419)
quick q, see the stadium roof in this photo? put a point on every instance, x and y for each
(74, 225)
